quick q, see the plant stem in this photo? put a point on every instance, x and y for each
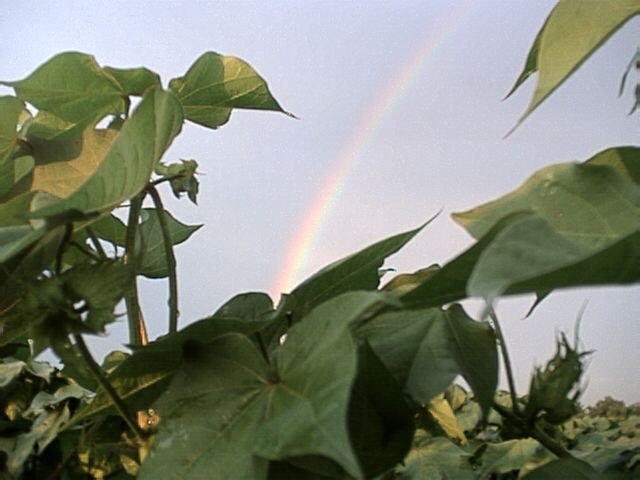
(535, 433)
(131, 296)
(103, 381)
(505, 359)
(170, 257)
(96, 243)
(66, 237)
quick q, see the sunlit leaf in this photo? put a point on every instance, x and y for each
(437, 459)
(130, 160)
(72, 86)
(47, 126)
(182, 177)
(215, 84)
(572, 32)
(134, 81)
(62, 166)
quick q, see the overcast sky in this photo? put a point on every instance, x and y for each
(439, 145)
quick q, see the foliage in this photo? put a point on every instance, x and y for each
(344, 378)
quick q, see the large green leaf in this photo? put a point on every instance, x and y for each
(130, 160)
(72, 86)
(62, 166)
(414, 347)
(572, 32)
(358, 271)
(296, 406)
(215, 84)
(143, 376)
(590, 204)
(504, 457)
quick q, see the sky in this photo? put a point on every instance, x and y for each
(400, 116)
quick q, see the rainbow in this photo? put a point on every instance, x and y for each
(316, 216)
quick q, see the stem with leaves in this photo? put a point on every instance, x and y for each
(170, 256)
(103, 381)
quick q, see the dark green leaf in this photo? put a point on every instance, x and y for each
(381, 423)
(414, 347)
(473, 345)
(143, 376)
(130, 160)
(72, 86)
(574, 30)
(134, 81)
(295, 407)
(564, 468)
(10, 110)
(358, 271)
(154, 260)
(215, 84)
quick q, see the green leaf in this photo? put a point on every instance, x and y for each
(572, 32)
(143, 376)
(590, 204)
(298, 408)
(565, 468)
(502, 458)
(47, 126)
(63, 166)
(71, 86)
(380, 422)
(131, 159)
(473, 346)
(358, 271)
(10, 110)
(100, 287)
(134, 81)
(437, 459)
(215, 84)
(414, 347)
(154, 260)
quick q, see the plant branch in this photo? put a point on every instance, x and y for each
(134, 317)
(535, 432)
(170, 257)
(96, 243)
(502, 344)
(103, 381)
(66, 237)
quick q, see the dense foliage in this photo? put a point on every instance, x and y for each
(343, 378)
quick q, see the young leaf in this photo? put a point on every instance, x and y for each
(182, 177)
(215, 84)
(129, 161)
(564, 43)
(154, 260)
(72, 86)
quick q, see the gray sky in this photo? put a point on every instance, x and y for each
(440, 146)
